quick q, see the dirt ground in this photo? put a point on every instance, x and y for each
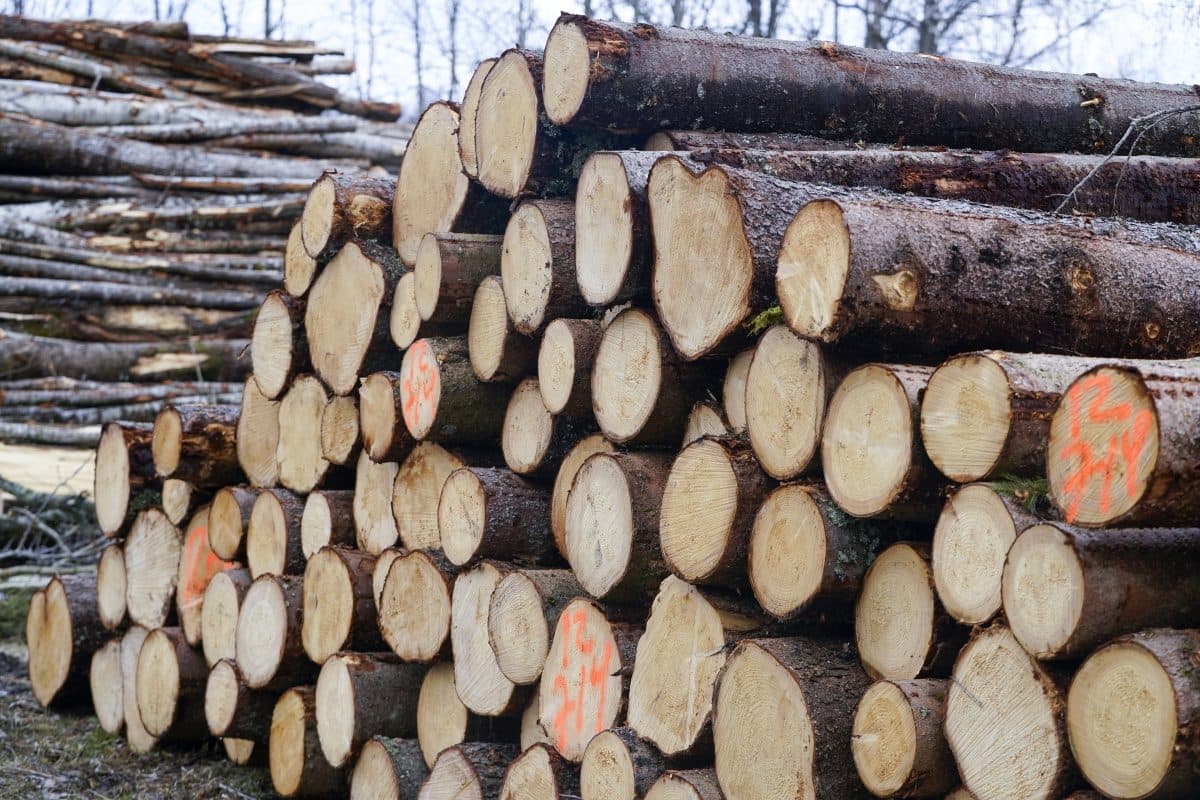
(65, 754)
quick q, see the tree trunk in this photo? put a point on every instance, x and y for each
(302, 464)
(448, 269)
(1005, 721)
(517, 149)
(627, 76)
(537, 264)
(497, 352)
(273, 544)
(105, 686)
(228, 519)
(1131, 419)
(339, 604)
(871, 451)
(328, 519)
(195, 443)
(972, 538)
(713, 491)
(110, 588)
(62, 629)
(340, 434)
(381, 418)
(346, 318)
(298, 768)
(233, 709)
(494, 513)
(170, 687)
(257, 436)
(269, 649)
(278, 347)
(564, 365)
(613, 508)
(152, 554)
(801, 690)
(539, 771)
(679, 140)
(901, 721)
(523, 616)
(443, 400)
(641, 390)
(1108, 583)
(574, 459)
(124, 465)
(27, 356)
(1159, 666)
(219, 614)
(586, 677)
(414, 606)
(342, 206)
(433, 194)
(480, 683)
(1078, 289)
(901, 630)
(360, 695)
(474, 768)
(534, 441)
(388, 769)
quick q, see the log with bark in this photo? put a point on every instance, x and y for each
(540, 773)
(269, 651)
(494, 513)
(233, 709)
(1005, 721)
(346, 316)
(110, 588)
(228, 518)
(443, 400)
(385, 436)
(195, 443)
(328, 519)
(339, 604)
(561, 491)
(302, 464)
(802, 693)
(135, 732)
(219, 614)
(612, 510)
(537, 264)
(497, 352)
(467, 111)
(713, 492)
(388, 769)
(124, 465)
(414, 605)
(1122, 448)
(26, 356)
(360, 695)
(170, 687)
(417, 490)
(564, 365)
(443, 721)
(257, 436)
(62, 630)
(641, 390)
(897, 741)
(481, 685)
(341, 437)
(534, 440)
(433, 193)
(105, 686)
(636, 76)
(273, 534)
(619, 765)
(152, 553)
(471, 769)
(1131, 715)
(342, 206)
(374, 525)
(522, 619)
(871, 453)
(297, 766)
(1106, 583)
(449, 267)
(682, 140)
(584, 684)
(278, 348)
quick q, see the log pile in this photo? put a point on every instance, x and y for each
(690, 474)
(150, 180)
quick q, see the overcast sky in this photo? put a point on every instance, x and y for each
(1156, 40)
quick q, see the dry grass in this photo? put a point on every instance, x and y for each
(65, 754)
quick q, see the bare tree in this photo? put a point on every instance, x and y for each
(418, 63)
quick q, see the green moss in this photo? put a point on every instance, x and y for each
(14, 606)
(760, 322)
(1032, 493)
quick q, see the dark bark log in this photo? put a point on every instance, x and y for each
(388, 769)
(448, 270)
(195, 443)
(564, 364)
(494, 513)
(170, 687)
(443, 400)
(360, 695)
(273, 545)
(679, 140)
(342, 206)
(124, 466)
(233, 709)
(477, 766)
(298, 768)
(539, 770)
(537, 264)
(637, 76)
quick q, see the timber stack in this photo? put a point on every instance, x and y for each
(150, 181)
(788, 463)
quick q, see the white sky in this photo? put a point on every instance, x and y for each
(1155, 40)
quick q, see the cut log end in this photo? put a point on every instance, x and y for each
(697, 219)
(272, 345)
(568, 65)
(258, 436)
(329, 605)
(733, 390)
(813, 265)
(539, 773)
(152, 554)
(695, 784)
(50, 634)
(110, 587)
(785, 394)
(965, 416)
(585, 449)
(262, 631)
(703, 420)
(627, 375)
(894, 619)
(416, 493)
(414, 608)
(462, 515)
(607, 769)
(384, 434)
(242, 752)
(481, 685)
(388, 769)
(884, 741)
(1043, 589)
(296, 765)
(867, 446)
(421, 388)
(787, 551)
(404, 322)
(340, 317)
(506, 126)
(1003, 721)
(526, 268)
(599, 524)
(227, 519)
(556, 366)
(489, 330)
(105, 682)
(441, 716)
(221, 696)
(218, 617)
(326, 521)
(432, 185)
(167, 443)
(1081, 432)
(112, 488)
(177, 499)
(299, 268)
(197, 566)
(317, 218)
(528, 429)
(159, 682)
(302, 465)
(518, 630)
(339, 429)
(970, 542)
(604, 228)
(374, 524)
(467, 112)
(336, 710)
(581, 687)
(699, 506)
(1123, 718)
(269, 537)
(135, 732)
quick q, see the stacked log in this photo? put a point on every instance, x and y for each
(779, 568)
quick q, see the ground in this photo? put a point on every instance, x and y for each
(65, 754)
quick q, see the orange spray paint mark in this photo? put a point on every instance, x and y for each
(594, 664)
(200, 564)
